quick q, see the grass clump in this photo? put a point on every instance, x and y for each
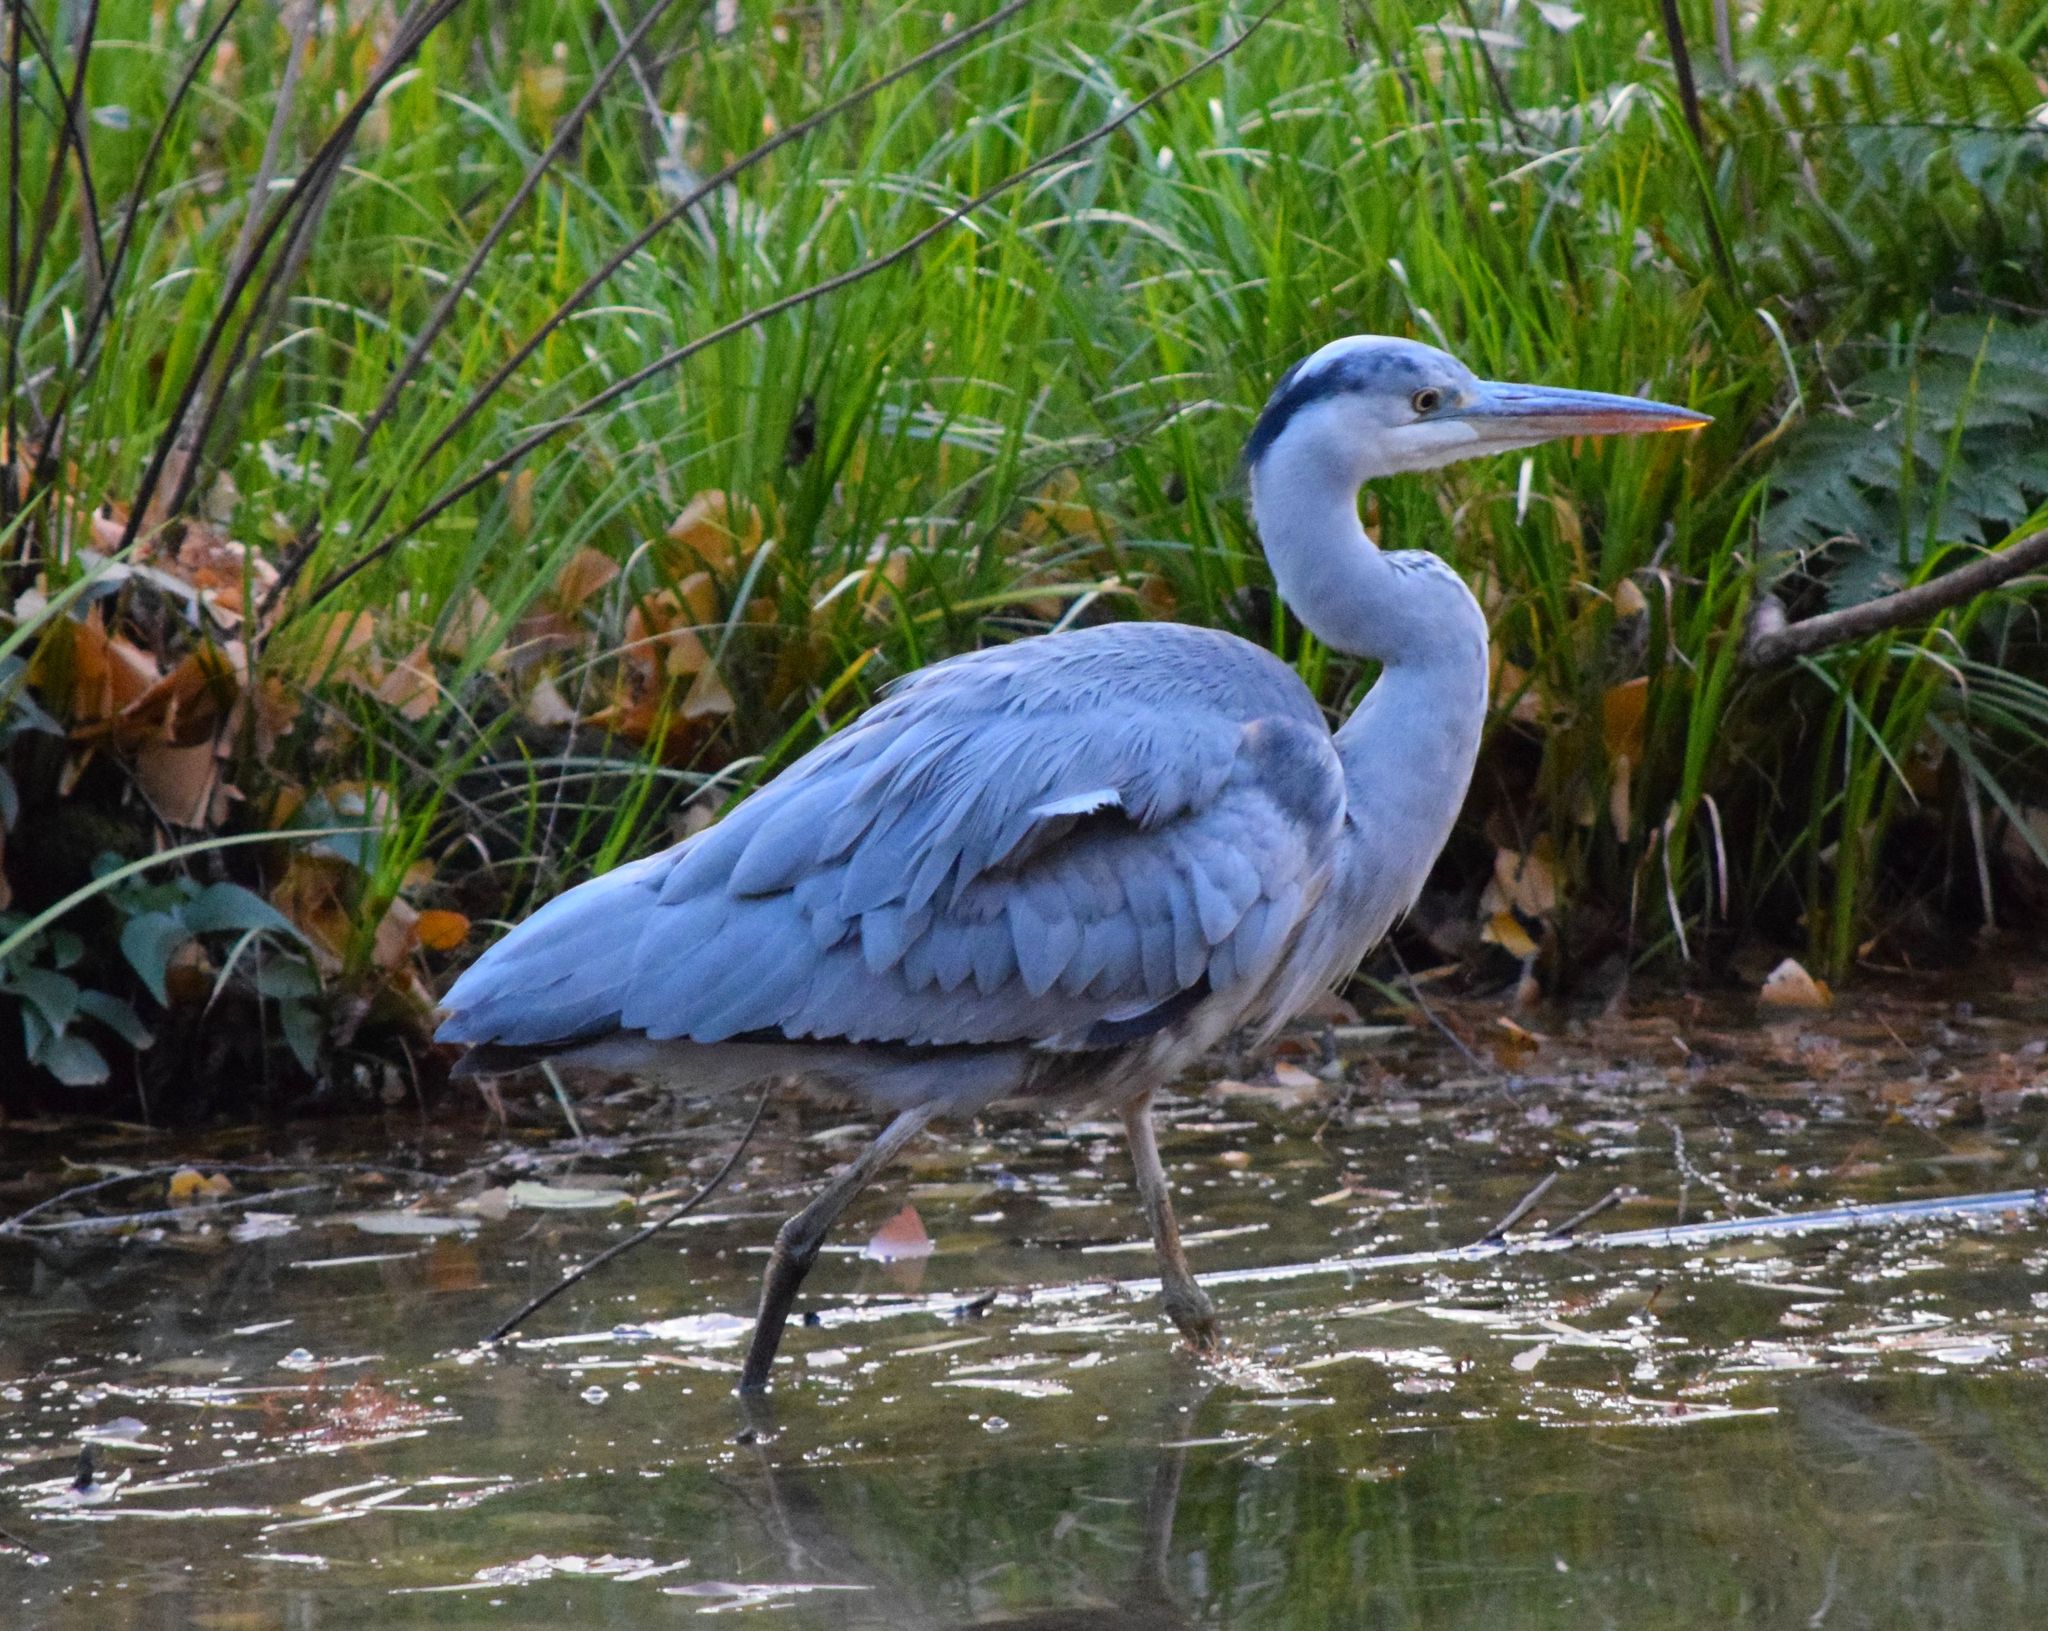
(355, 486)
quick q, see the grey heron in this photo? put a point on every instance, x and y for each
(1061, 870)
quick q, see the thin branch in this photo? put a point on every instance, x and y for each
(102, 307)
(9, 494)
(412, 33)
(166, 1214)
(1520, 1210)
(68, 137)
(1681, 68)
(150, 1174)
(1606, 1203)
(309, 535)
(444, 309)
(1776, 642)
(640, 1236)
(775, 308)
(1689, 102)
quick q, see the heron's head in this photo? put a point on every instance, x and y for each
(1371, 406)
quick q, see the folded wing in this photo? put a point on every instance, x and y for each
(1065, 842)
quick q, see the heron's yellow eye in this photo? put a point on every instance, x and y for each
(1426, 399)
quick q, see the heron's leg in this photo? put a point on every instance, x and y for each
(1186, 1303)
(798, 1242)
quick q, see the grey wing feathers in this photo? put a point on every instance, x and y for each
(1038, 844)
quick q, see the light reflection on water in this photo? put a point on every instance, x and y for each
(1840, 1430)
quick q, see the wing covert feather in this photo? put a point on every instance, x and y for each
(1017, 845)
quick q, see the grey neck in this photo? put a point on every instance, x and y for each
(1409, 747)
(1406, 610)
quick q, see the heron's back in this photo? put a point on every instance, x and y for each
(1064, 844)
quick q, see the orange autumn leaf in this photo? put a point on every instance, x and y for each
(183, 784)
(661, 627)
(899, 1240)
(313, 894)
(1527, 881)
(340, 645)
(711, 534)
(1790, 986)
(87, 676)
(409, 685)
(708, 697)
(186, 705)
(1621, 717)
(1505, 930)
(232, 578)
(583, 575)
(189, 1186)
(442, 931)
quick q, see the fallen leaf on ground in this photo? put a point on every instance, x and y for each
(1790, 986)
(410, 1223)
(899, 1240)
(565, 1197)
(189, 1186)
(1505, 930)
(442, 931)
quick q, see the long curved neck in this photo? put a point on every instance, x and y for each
(1409, 747)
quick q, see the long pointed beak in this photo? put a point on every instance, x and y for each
(1533, 413)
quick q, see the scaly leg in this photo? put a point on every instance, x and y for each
(1186, 1303)
(799, 1240)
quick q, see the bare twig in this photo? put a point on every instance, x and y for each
(1429, 1013)
(164, 1214)
(566, 132)
(775, 308)
(146, 1174)
(1578, 1220)
(103, 304)
(1681, 69)
(1689, 102)
(641, 1236)
(69, 138)
(411, 34)
(309, 534)
(11, 318)
(1826, 1220)
(1520, 1210)
(1774, 641)
(9, 1538)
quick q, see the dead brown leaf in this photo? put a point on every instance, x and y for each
(1790, 986)
(86, 676)
(442, 930)
(582, 575)
(409, 685)
(1621, 717)
(183, 784)
(711, 535)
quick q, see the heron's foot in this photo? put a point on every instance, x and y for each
(1194, 1316)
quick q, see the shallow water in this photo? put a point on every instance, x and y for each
(296, 1426)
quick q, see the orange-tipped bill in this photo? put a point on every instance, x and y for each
(1523, 415)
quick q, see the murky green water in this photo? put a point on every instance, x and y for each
(1841, 1429)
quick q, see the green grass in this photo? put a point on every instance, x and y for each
(1037, 415)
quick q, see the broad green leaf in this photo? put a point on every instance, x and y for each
(148, 941)
(74, 1061)
(225, 906)
(53, 996)
(117, 1016)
